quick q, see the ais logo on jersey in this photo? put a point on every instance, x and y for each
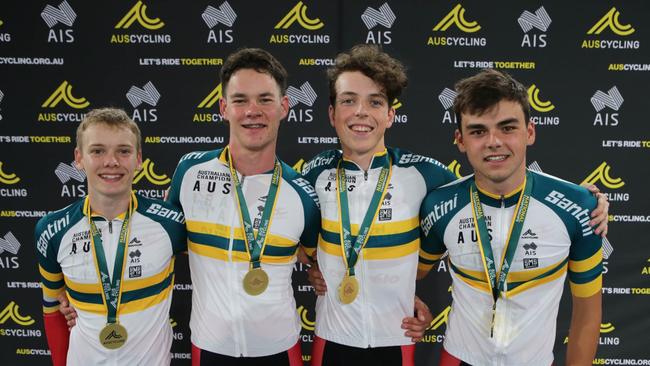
(209, 103)
(372, 18)
(138, 15)
(63, 14)
(456, 20)
(148, 95)
(612, 100)
(608, 25)
(224, 15)
(299, 15)
(542, 106)
(539, 21)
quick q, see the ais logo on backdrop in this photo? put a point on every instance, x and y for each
(446, 98)
(373, 18)
(9, 246)
(140, 98)
(534, 26)
(296, 20)
(223, 15)
(301, 102)
(607, 106)
(63, 98)
(60, 20)
(454, 22)
(72, 180)
(138, 17)
(209, 107)
(610, 32)
(544, 107)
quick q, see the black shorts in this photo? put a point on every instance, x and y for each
(327, 353)
(290, 357)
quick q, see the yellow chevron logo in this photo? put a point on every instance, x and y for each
(299, 13)
(212, 98)
(457, 16)
(606, 328)
(611, 20)
(440, 319)
(172, 322)
(8, 178)
(306, 323)
(11, 312)
(299, 165)
(454, 166)
(152, 177)
(64, 92)
(602, 174)
(138, 12)
(396, 104)
(536, 103)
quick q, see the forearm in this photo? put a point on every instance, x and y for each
(56, 330)
(584, 331)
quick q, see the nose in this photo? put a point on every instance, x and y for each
(361, 110)
(111, 161)
(253, 110)
(494, 140)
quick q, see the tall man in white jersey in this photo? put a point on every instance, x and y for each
(246, 213)
(113, 253)
(513, 236)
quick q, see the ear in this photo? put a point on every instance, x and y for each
(459, 141)
(284, 104)
(331, 112)
(391, 117)
(77, 158)
(139, 157)
(222, 106)
(530, 129)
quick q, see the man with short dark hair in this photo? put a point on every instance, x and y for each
(512, 235)
(246, 212)
(112, 253)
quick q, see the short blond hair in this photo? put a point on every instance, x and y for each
(114, 117)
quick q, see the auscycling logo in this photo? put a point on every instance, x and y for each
(8, 178)
(148, 95)
(611, 103)
(455, 20)
(601, 175)
(11, 312)
(298, 17)
(138, 14)
(539, 21)
(608, 25)
(385, 17)
(446, 98)
(148, 173)
(4, 37)
(399, 117)
(63, 14)
(304, 95)
(209, 107)
(63, 93)
(541, 106)
(224, 15)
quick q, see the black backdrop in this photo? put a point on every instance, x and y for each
(586, 63)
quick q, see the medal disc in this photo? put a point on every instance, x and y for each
(348, 289)
(255, 281)
(113, 336)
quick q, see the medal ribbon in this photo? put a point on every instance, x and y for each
(255, 244)
(351, 250)
(496, 281)
(111, 287)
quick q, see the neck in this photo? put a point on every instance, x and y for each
(362, 159)
(501, 188)
(249, 162)
(109, 207)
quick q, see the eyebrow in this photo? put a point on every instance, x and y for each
(243, 95)
(505, 122)
(372, 95)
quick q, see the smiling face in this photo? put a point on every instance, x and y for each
(360, 114)
(110, 159)
(254, 108)
(495, 143)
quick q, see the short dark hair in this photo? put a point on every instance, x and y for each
(113, 117)
(383, 69)
(257, 59)
(479, 93)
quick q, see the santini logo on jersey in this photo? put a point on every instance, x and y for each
(159, 210)
(51, 230)
(437, 212)
(581, 214)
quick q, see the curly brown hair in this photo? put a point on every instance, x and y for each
(480, 93)
(383, 69)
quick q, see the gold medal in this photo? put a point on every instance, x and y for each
(255, 281)
(113, 336)
(348, 289)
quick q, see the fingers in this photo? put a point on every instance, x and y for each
(415, 328)
(600, 216)
(316, 279)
